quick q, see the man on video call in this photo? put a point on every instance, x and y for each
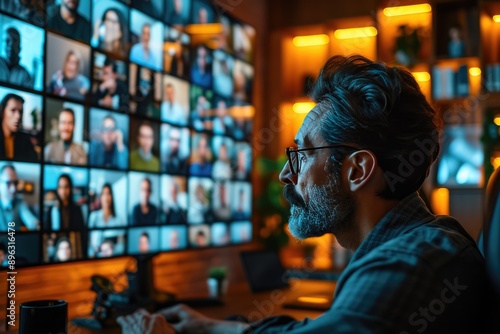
(67, 21)
(144, 212)
(111, 150)
(141, 52)
(362, 153)
(14, 144)
(143, 158)
(175, 162)
(12, 207)
(172, 111)
(112, 92)
(65, 150)
(10, 68)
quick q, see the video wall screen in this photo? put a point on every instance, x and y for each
(119, 136)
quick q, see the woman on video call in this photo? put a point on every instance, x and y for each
(66, 214)
(69, 82)
(105, 216)
(110, 33)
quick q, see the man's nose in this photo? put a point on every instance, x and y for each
(286, 175)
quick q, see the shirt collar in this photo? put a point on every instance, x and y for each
(409, 213)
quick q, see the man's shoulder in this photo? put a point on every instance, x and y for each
(436, 242)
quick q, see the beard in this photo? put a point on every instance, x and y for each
(328, 210)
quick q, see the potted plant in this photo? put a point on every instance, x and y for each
(217, 281)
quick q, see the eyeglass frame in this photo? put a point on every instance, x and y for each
(295, 150)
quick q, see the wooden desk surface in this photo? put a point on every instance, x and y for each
(240, 300)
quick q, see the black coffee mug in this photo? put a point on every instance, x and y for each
(44, 317)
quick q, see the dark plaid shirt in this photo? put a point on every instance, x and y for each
(414, 273)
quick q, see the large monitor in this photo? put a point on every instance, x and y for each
(120, 136)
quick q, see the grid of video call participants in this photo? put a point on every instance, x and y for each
(119, 134)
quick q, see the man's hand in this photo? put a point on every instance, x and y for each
(141, 322)
(186, 320)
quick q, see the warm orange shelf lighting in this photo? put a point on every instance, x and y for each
(303, 107)
(475, 71)
(208, 28)
(311, 40)
(421, 76)
(496, 18)
(440, 201)
(496, 120)
(495, 162)
(313, 300)
(355, 32)
(407, 10)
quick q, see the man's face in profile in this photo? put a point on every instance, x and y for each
(8, 184)
(12, 115)
(319, 203)
(12, 46)
(71, 5)
(145, 192)
(108, 132)
(146, 138)
(66, 126)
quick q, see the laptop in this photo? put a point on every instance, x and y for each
(264, 271)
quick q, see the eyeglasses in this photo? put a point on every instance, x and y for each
(293, 154)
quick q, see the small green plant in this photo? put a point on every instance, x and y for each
(219, 273)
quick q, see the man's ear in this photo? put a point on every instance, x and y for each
(360, 167)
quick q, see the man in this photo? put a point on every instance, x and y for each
(363, 152)
(176, 18)
(175, 162)
(106, 249)
(66, 20)
(65, 150)
(201, 73)
(172, 111)
(112, 92)
(240, 212)
(201, 160)
(11, 70)
(144, 243)
(141, 52)
(175, 214)
(12, 206)
(142, 158)
(200, 117)
(144, 213)
(110, 151)
(14, 144)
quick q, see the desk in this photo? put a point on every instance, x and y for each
(240, 300)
